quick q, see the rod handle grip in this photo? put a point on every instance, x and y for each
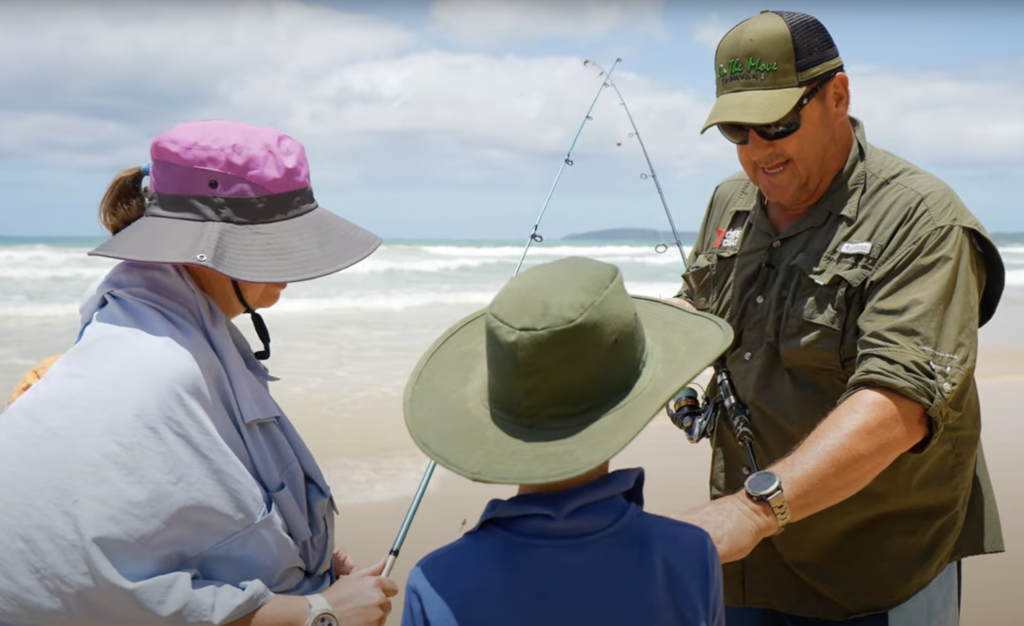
(388, 565)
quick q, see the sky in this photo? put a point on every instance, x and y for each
(450, 119)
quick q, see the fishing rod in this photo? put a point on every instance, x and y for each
(566, 161)
(697, 418)
(650, 166)
(534, 236)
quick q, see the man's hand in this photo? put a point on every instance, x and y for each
(342, 562)
(686, 304)
(361, 598)
(736, 524)
(32, 377)
(847, 450)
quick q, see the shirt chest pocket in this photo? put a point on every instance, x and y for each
(710, 277)
(819, 327)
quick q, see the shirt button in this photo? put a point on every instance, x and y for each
(947, 387)
(760, 299)
(747, 356)
(776, 243)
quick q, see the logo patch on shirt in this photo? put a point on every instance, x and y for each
(728, 238)
(855, 247)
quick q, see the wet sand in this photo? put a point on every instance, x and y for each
(677, 477)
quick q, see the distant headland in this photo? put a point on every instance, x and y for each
(630, 234)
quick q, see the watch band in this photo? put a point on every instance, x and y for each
(777, 501)
(320, 611)
(771, 493)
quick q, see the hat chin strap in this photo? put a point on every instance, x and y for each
(257, 322)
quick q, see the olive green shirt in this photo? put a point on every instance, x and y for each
(881, 284)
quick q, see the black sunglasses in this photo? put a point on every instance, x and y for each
(738, 133)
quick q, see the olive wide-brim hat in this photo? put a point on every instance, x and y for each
(236, 198)
(556, 376)
(764, 65)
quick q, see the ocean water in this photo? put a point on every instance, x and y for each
(49, 278)
(343, 345)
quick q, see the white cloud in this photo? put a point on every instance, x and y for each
(487, 21)
(115, 70)
(939, 118)
(709, 31)
(98, 85)
(93, 89)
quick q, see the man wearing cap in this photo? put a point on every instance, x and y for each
(540, 390)
(856, 284)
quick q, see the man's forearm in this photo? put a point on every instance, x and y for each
(848, 449)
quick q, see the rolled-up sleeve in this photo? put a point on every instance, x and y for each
(918, 329)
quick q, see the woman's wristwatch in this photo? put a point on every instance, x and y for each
(320, 612)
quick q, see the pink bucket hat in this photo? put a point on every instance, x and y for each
(236, 198)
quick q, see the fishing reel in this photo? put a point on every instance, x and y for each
(698, 417)
(694, 415)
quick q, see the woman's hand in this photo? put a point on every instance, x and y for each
(32, 377)
(342, 562)
(361, 598)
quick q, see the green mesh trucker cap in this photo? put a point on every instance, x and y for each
(764, 64)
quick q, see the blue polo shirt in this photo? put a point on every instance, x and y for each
(587, 555)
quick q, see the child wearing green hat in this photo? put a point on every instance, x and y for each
(541, 389)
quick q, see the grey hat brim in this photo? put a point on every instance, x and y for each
(309, 246)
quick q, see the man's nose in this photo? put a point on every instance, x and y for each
(757, 147)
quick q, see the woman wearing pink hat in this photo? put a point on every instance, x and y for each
(182, 494)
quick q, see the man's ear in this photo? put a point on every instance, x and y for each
(839, 93)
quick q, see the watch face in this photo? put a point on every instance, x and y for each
(325, 619)
(762, 483)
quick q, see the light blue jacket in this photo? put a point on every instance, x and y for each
(149, 477)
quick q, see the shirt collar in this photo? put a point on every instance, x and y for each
(843, 196)
(575, 511)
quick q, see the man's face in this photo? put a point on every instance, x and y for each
(796, 171)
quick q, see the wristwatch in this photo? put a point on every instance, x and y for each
(766, 487)
(320, 612)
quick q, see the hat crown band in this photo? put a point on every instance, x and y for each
(554, 365)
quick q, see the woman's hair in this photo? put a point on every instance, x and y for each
(124, 201)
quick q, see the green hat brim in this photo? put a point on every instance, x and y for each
(753, 107)
(446, 401)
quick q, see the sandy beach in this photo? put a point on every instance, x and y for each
(341, 378)
(676, 478)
